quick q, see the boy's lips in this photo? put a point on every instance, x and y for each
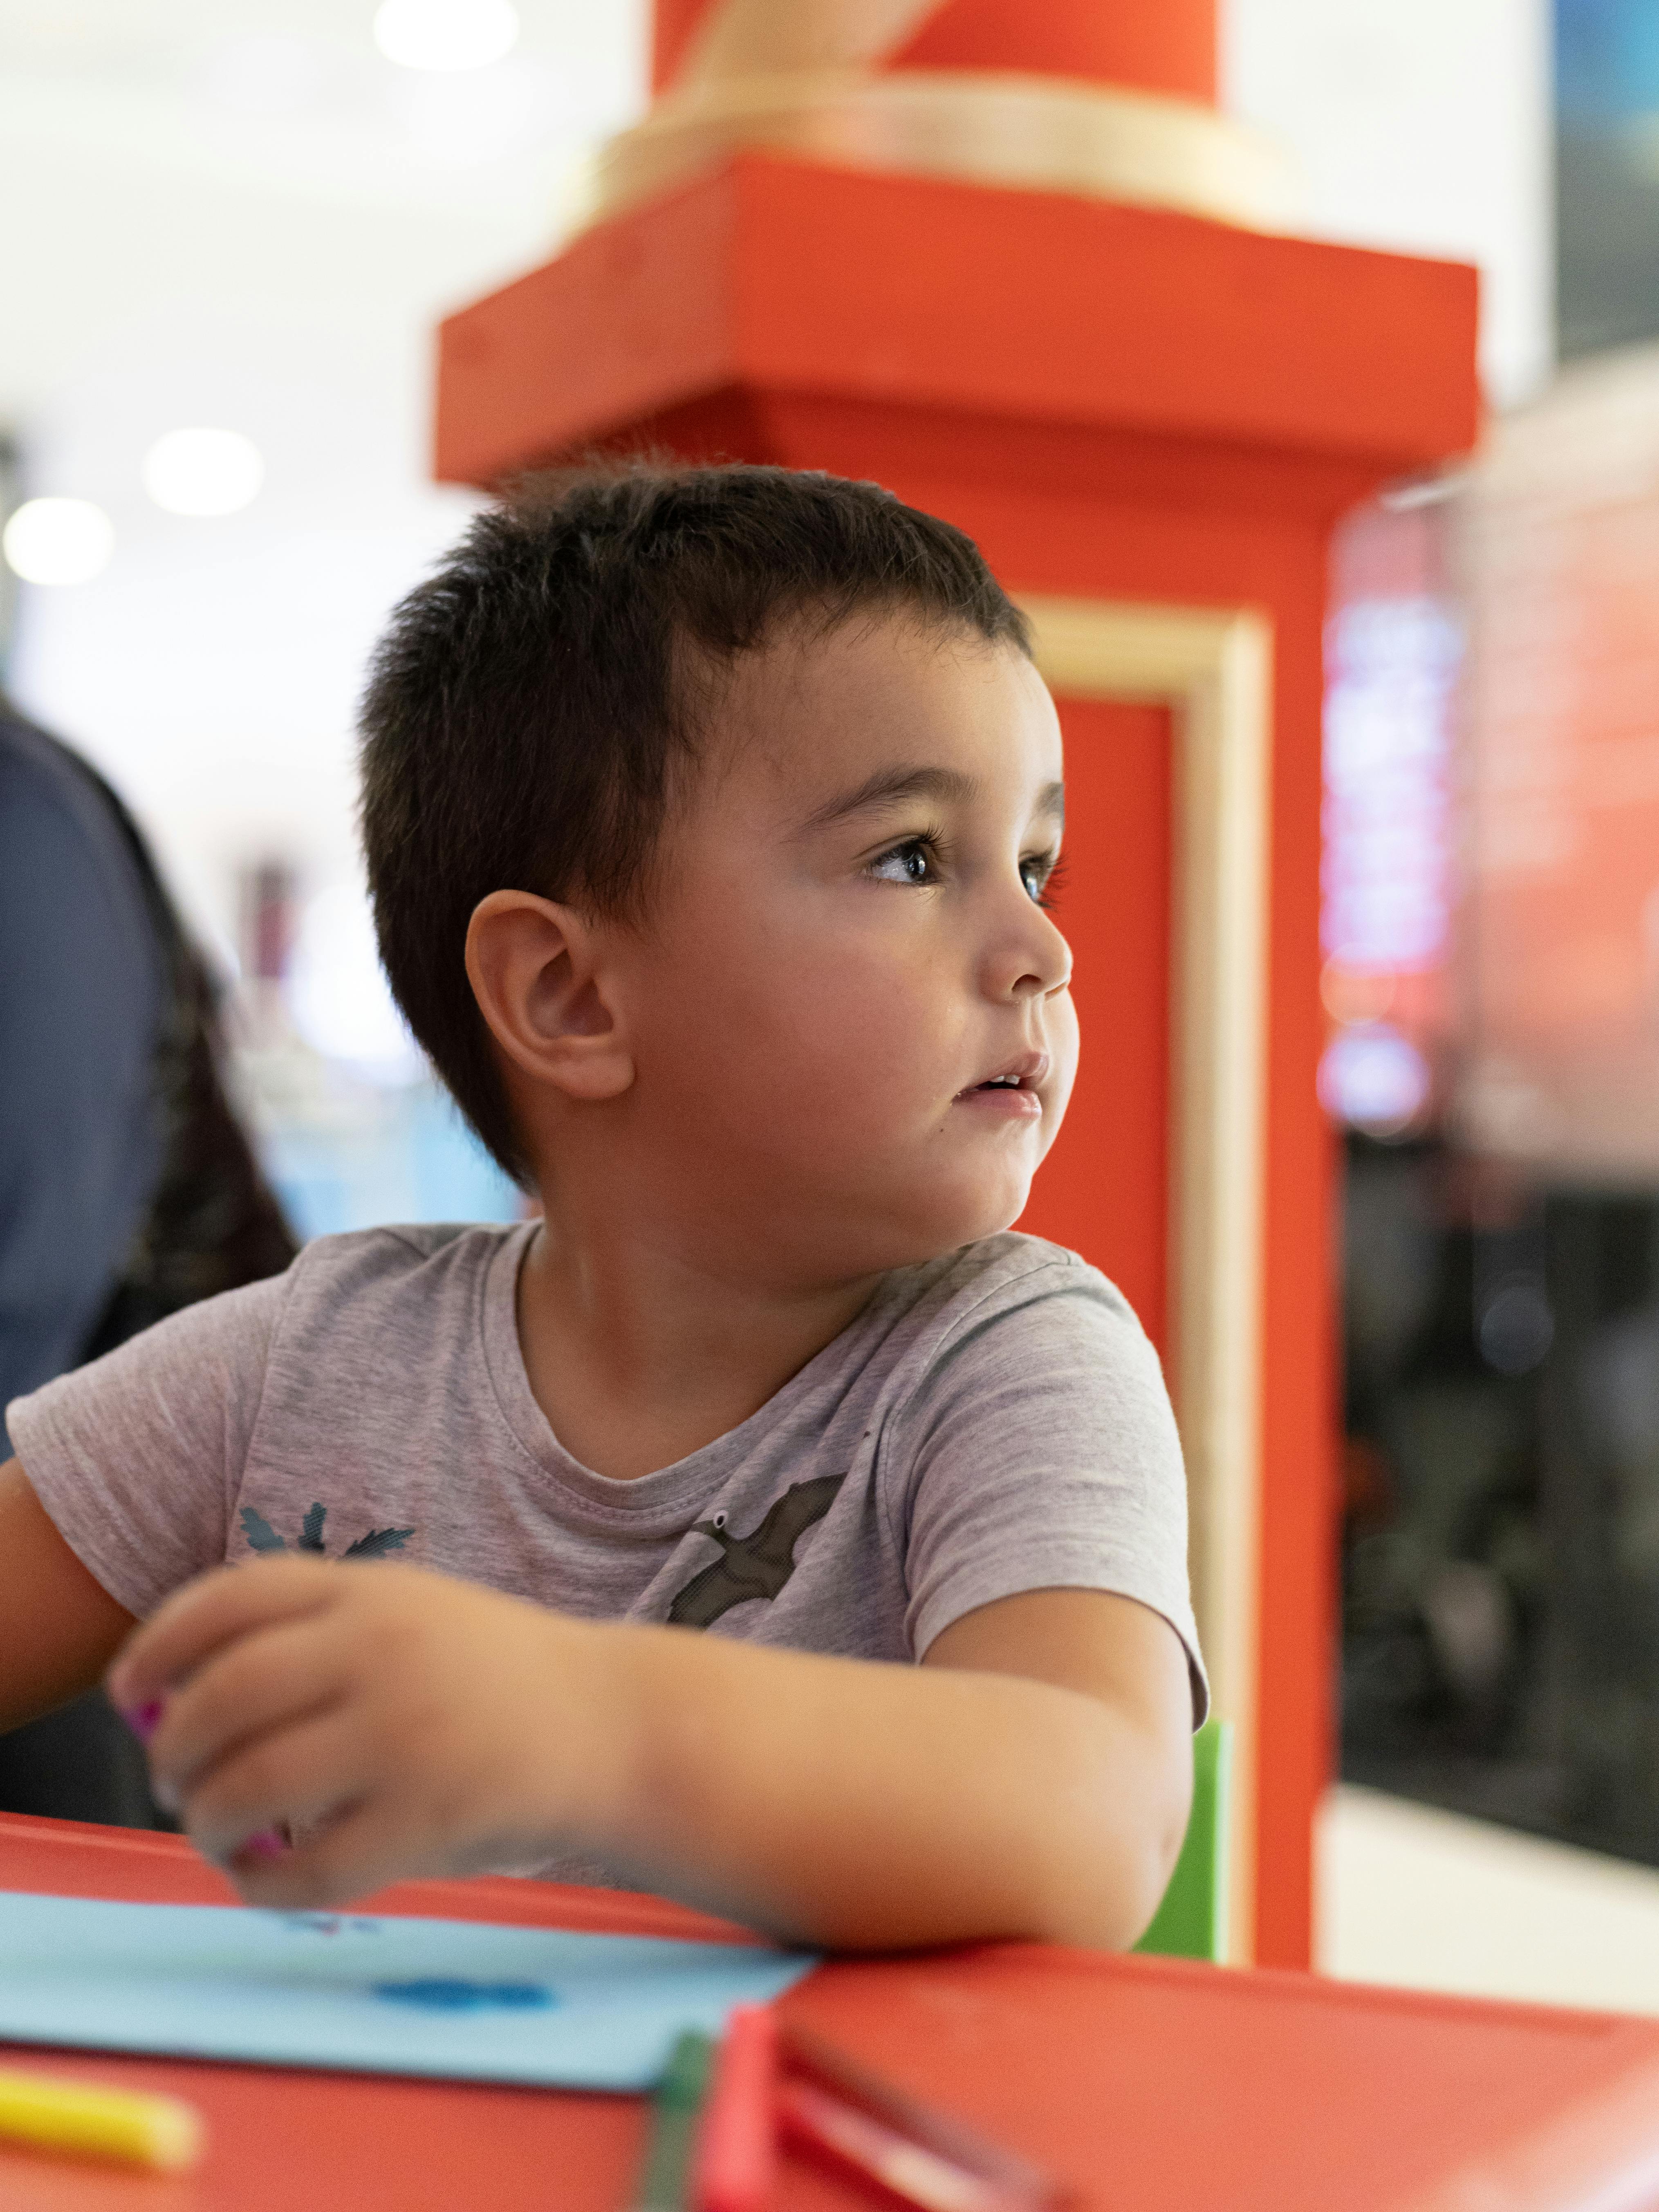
(1011, 1089)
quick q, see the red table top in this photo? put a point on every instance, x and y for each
(1144, 2083)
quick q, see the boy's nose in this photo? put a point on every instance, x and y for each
(1033, 961)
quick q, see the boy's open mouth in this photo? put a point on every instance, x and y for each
(1020, 1078)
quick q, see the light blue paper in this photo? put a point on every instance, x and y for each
(453, 1998)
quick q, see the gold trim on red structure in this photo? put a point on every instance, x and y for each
(982, 127)
(1213, 670)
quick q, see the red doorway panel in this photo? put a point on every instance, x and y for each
(1104, 1190)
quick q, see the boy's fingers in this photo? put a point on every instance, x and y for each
(299, 1774)
(272, 1677)
(366, 1847)
(213, 1610)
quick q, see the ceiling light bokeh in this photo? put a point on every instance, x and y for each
(57, 541)
(200, 471)
(446, 34)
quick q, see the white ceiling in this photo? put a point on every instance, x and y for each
(236, 213)
(176, 146)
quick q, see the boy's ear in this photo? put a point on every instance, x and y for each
(533, 968)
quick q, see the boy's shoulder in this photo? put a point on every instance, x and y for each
(418, 1271)
(1003, 1307)
(998, 1274)
(431, 1251)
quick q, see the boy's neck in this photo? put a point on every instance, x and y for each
(638, 1357)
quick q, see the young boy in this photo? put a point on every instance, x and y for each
(764, 1525)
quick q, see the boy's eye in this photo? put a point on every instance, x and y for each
(912, 862)
(1042, 874)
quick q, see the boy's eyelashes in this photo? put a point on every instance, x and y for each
(1048, 870)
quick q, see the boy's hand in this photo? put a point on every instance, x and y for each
(397, 1719)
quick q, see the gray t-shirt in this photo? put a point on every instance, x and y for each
(992, 1422)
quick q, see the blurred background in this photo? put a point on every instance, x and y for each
(235, 228)
(1492, 934)
(232, 230)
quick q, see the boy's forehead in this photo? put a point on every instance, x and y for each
(813, 717)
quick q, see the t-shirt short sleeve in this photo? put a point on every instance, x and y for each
(1043, 1456)
(136, 1457)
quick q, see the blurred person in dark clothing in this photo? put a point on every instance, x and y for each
(127, 1188)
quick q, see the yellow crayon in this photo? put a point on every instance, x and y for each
(93, 2122)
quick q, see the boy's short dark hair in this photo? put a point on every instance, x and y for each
(527, 705)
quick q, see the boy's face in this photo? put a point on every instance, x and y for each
(850, 1013)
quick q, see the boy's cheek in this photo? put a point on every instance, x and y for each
(841, 1049)
(1065, 1046)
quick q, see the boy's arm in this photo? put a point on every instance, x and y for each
(58, 1626)
(1030, 1780)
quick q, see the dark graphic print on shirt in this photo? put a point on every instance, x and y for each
(756, 1566)
(374, 1545)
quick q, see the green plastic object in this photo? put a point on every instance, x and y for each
(1192, 1921)
(665, 2183)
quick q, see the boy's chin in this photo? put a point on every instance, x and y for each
(951, 1219)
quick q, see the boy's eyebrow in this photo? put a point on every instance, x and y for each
(892, 787)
